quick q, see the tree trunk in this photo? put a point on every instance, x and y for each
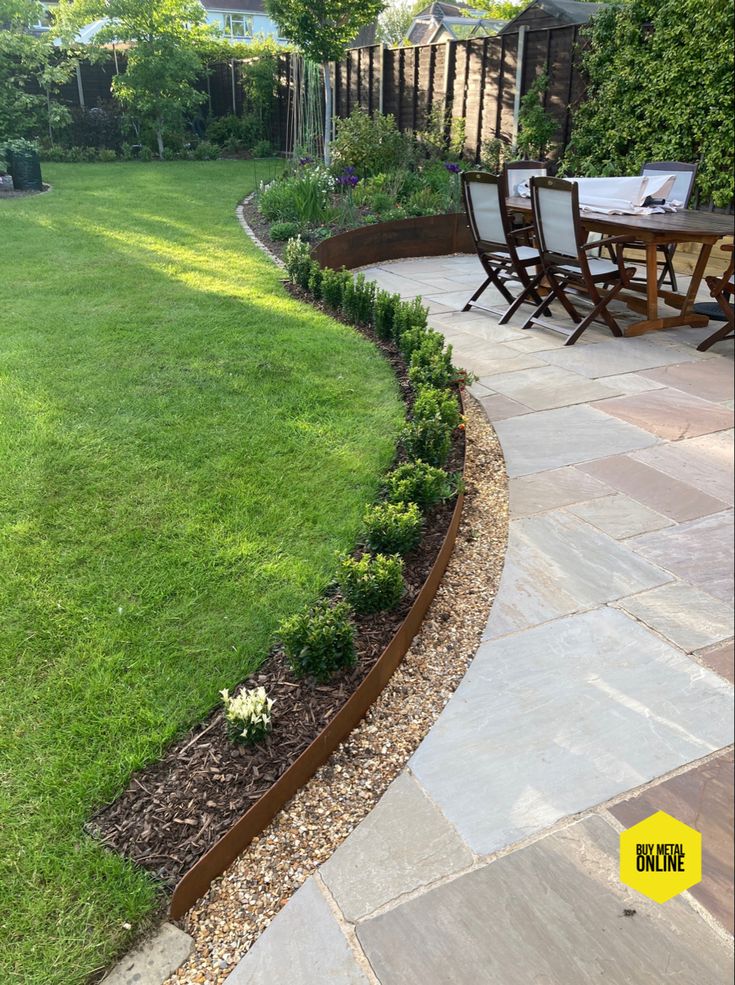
(327, 114)
(159, 140)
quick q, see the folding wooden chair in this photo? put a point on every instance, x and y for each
(682, 192)
(515, 173)
(502, 258)
(721, 310)
(566, 264)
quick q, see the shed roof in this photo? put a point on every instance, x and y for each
(565, 11)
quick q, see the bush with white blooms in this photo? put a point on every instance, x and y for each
(247, 714)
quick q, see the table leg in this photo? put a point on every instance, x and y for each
(651, 281)
(654, 321)
(685, 302)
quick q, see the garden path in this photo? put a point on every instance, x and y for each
(599, 694)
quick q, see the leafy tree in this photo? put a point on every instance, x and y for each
(31, 70)
(660, 76)
(167, 39)
(502, 10)
(322, 29)
(396, 20)
(536, 127)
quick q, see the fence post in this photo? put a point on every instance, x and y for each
(381, 91)
(450, 63)
(80, 87)
(519, 79)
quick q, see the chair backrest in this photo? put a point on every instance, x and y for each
(555, 206)
(685, 175)
(516, 172)
(485, 207)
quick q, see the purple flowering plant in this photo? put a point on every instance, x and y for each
(452, 168)
(348, 178)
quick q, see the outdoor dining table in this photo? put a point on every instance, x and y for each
(687, 226)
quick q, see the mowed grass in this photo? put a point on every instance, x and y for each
(183, 449)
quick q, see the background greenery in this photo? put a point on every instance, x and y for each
(184, 449)
(660, 88)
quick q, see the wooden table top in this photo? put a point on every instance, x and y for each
(685, 226)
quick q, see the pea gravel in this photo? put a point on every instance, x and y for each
(305, 833)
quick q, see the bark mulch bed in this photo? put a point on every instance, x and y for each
(174, 810)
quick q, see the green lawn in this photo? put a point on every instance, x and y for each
(183, 449)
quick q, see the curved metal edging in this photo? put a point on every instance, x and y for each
(431, 235)
(198, 879)
(423, 236)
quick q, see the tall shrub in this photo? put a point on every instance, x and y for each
(660, 87)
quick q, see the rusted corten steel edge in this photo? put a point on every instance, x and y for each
(425, 236)
(198, 879)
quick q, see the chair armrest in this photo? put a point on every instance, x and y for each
(595, 243)
(521, 229)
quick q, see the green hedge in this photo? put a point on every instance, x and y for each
(660, 81)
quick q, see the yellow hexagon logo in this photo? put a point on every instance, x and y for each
(660, 857)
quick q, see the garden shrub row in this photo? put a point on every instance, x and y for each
(320, 641)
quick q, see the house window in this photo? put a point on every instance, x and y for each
(238, 26)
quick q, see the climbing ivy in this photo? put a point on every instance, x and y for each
(660, 87)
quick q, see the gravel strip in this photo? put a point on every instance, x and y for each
(243, 901)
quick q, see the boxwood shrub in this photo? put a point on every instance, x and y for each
(319, 641)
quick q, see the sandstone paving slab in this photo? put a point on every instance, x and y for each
(698, 552)
(701, 797)
(403, 844)
(661, 492)
(690, 618)
(669, 413)
(548, 490)
(619, 356)
(557, 564)
(303, 945)
(720, 658)
(632, 383)
(549, 914)
(710, 380)
(562, 717)
(551, 439)
(619, 516)
(388, 280)
(499, 408)
(705, 462)
(549, 386)
(533, 342)
(154, 960)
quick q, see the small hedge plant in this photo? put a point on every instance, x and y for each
(281, 231)
(247, 715)
(393, 528)
(430, 367)
(435, 404)
(419, 483)
(319, 641)
(371, 583)
(427, 441)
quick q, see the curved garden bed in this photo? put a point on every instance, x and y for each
(188, 816)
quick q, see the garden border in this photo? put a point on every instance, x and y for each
(195, 883)
(399, 239)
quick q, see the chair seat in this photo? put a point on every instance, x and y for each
(525, 254)
(711, 309)
(598, 268)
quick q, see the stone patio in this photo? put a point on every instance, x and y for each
(599, 694)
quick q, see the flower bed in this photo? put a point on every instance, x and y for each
(188, 815)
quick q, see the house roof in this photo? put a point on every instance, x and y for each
(565, 11)
(241, 6)
(366, 36)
